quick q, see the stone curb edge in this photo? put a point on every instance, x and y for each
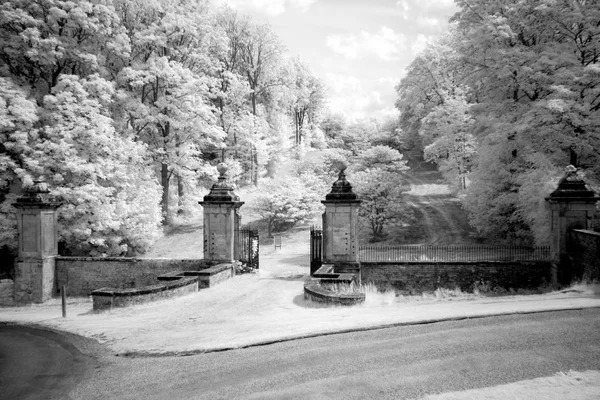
(187, 353)
(142, 354)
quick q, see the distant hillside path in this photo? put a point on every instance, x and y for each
(444, 219)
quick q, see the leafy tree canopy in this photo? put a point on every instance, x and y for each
(505, 101)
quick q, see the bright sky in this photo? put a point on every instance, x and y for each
(359, 48)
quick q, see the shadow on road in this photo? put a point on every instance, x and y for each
(41, 364)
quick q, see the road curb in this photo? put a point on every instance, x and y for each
(144, 354)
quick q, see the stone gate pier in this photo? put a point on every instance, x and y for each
(35, 266)
(572, 206)
(340, 226)
(221, 220)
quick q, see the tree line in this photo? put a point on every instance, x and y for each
(125, 107)
(370, 151)
(503, 102)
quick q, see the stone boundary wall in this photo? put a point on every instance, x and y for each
(108, 298)
(172, 284)
(207, 277)
(82, 275)
(415, 277)
(585, 250)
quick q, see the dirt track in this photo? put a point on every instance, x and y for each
(443, 218)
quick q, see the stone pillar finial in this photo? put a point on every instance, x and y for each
(221, 190)
(571, 186)
(341, 189)
(37, 193)
(222, 168)
(569, 169)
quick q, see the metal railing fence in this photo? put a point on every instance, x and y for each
(418, 253)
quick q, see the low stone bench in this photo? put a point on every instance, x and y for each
(172, 284)
(206, 277)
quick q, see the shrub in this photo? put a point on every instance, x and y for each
(287, 201)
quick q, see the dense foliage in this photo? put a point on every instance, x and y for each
(506, 100)
(125, 107)
(284, 202)
(377, 179)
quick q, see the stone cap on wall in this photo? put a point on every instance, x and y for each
(341, 190)
(572, 187)
(37, 196)
(587, 232)
(222, 191)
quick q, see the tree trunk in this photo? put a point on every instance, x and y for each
(180, 194)
(297, 128)
(251, 164)
(573, 157)
(235, 145)
(299, 122)
(164, 180)
(255, 163)
(253, 157)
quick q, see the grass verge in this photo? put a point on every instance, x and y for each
(375, 295)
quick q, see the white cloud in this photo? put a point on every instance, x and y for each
(389, 81)
(355, 106)
(429, 21)
(270, 7)
(342, 83)
(411, 4)
(386, 44)
(420, 42)
(389, 112)
(346, 46)
(303, 5)
(349, 97)
(426, 12)
(359, 106)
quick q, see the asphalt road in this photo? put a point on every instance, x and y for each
(394, 363)
(39, 364)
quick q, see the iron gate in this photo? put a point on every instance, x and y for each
(316, 249)
(247, 244)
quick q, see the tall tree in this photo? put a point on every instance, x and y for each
(234, 89)
(57, 52)
(261, 64)
(446, 135)
(535, 68)
(262, 56)
(529, 75)
(18, 118)
(307, 94)
(377, 180)
(109, 195)
(167, 86)
(431, 77)
(43, 39)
